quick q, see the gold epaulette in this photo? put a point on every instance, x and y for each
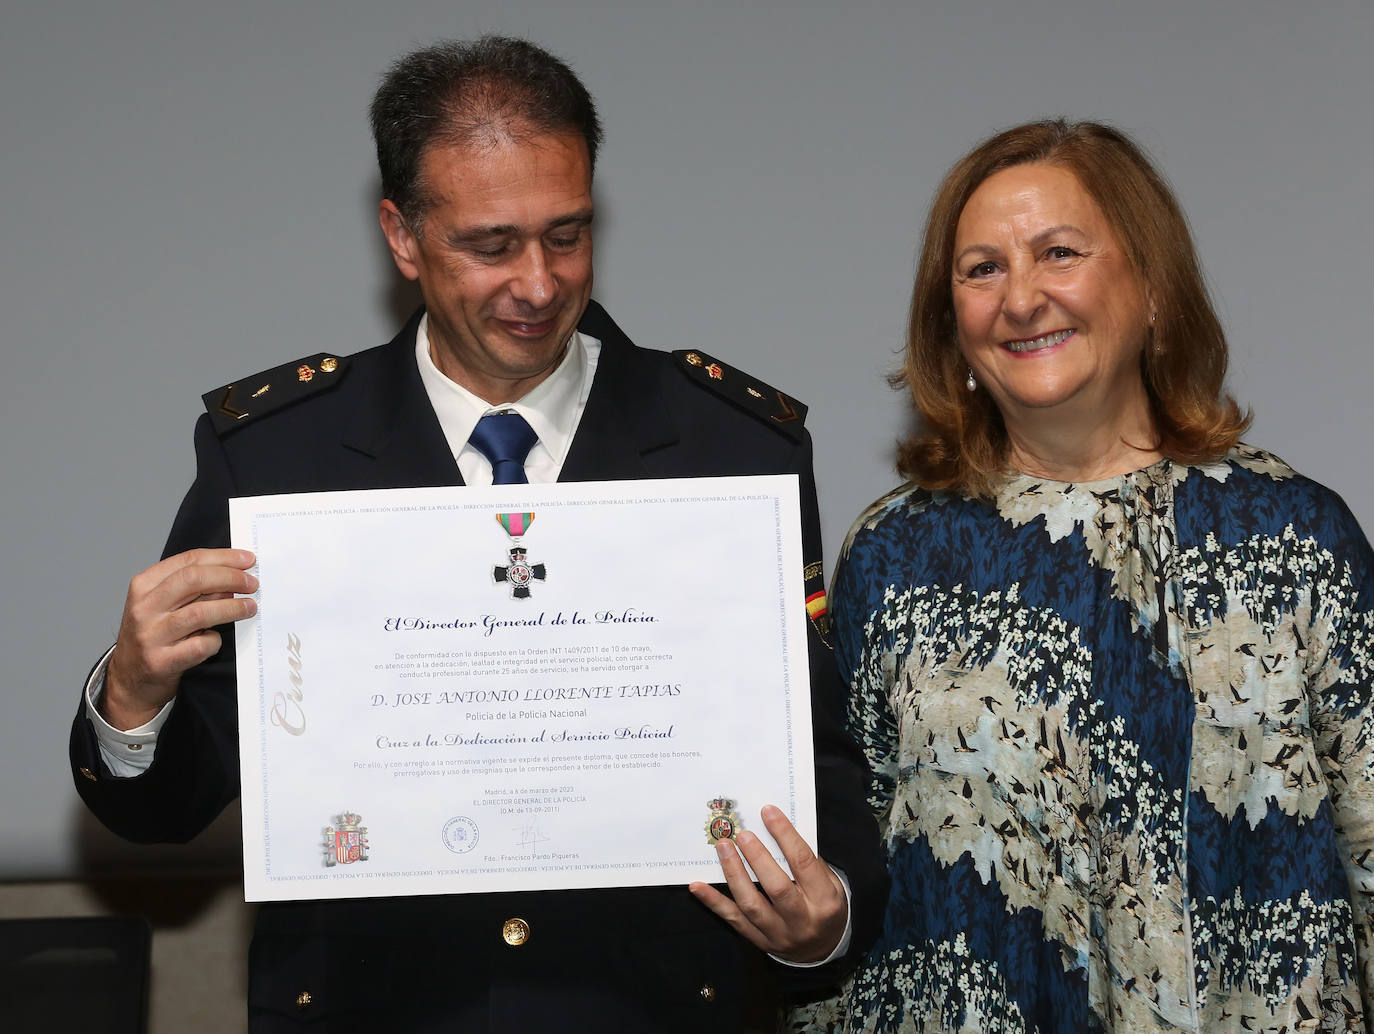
(767, 403)
(244, 401)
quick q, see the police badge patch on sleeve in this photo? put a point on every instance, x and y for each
(816, 608)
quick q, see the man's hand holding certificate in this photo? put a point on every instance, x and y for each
(532, 687)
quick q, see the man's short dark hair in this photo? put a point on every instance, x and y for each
(457, 92)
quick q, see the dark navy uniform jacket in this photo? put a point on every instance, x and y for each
(645, 959)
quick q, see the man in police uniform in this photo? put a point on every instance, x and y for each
(486, 152)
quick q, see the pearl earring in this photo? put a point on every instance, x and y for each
(971, 384)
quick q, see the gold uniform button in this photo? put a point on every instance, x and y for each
(87, 773)
(515, 932)
(303, 999)
(707, 992)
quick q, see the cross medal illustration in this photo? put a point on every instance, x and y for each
(519, 573)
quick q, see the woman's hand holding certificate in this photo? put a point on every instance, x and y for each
(799, 917)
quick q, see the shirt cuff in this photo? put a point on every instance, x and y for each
(125, 753)
(843, 946)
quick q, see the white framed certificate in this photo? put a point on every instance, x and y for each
(451, 690)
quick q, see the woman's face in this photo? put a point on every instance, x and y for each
(1051, 318)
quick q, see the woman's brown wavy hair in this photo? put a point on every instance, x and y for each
(962, 445)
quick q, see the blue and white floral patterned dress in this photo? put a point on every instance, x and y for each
(1121, 737)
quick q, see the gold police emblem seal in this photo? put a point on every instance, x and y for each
(723, 822)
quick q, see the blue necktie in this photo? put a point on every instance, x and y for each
(504, 439)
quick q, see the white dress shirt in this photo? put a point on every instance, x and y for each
(553, 408)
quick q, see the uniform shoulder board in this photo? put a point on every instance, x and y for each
(767, 403)
(244, 401)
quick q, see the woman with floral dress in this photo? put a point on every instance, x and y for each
(1111, 668)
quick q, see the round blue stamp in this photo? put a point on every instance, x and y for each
(460, 834)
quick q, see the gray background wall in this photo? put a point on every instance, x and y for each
(190, 196)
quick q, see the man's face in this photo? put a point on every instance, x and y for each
(503, 257)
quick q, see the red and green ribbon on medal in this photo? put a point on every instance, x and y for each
(516, 524)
